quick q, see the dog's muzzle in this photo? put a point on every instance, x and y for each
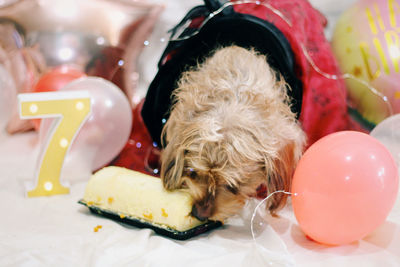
(202, 212)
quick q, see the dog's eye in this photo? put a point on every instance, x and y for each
(191, 173)
(184, 185)
(233, 189)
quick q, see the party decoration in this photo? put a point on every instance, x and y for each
(388, 133)
(140, 152)
(53, 33)
(71, 109)
(366, 43)
(54, 80)
(106, 130)
(7, 96)
(344, 187)
(23, 64)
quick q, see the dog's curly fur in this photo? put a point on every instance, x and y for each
(230, 130)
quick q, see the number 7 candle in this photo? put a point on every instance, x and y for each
(70, 110)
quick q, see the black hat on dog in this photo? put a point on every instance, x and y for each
(220, 26)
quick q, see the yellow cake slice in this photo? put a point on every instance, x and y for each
(136, 195)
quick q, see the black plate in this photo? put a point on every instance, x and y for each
(168, 232)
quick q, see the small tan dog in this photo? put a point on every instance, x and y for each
(230, 130)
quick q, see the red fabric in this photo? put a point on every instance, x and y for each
(139, 153)
(324, 108)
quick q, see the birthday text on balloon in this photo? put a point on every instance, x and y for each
(390, 41)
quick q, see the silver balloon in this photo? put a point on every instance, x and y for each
(103, 38)
(5, 3)
(72, 48)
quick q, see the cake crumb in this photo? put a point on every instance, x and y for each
(96, 229)
(122, 216)
(148, 216)
(163, 213)
(110, 200)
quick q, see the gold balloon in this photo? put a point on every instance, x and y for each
(366, 42)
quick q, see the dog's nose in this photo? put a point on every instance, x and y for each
(201, 212)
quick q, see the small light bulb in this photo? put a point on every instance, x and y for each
(100, 41)
(79, 105)
(48, 186)
(63, 142)
(33, 108)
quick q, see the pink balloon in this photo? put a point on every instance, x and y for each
(344, 187)
(104, 133)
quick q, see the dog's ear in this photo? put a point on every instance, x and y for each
(172, 167)
(280, 178)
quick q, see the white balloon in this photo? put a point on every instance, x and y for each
(105, 132)
(388, 133)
